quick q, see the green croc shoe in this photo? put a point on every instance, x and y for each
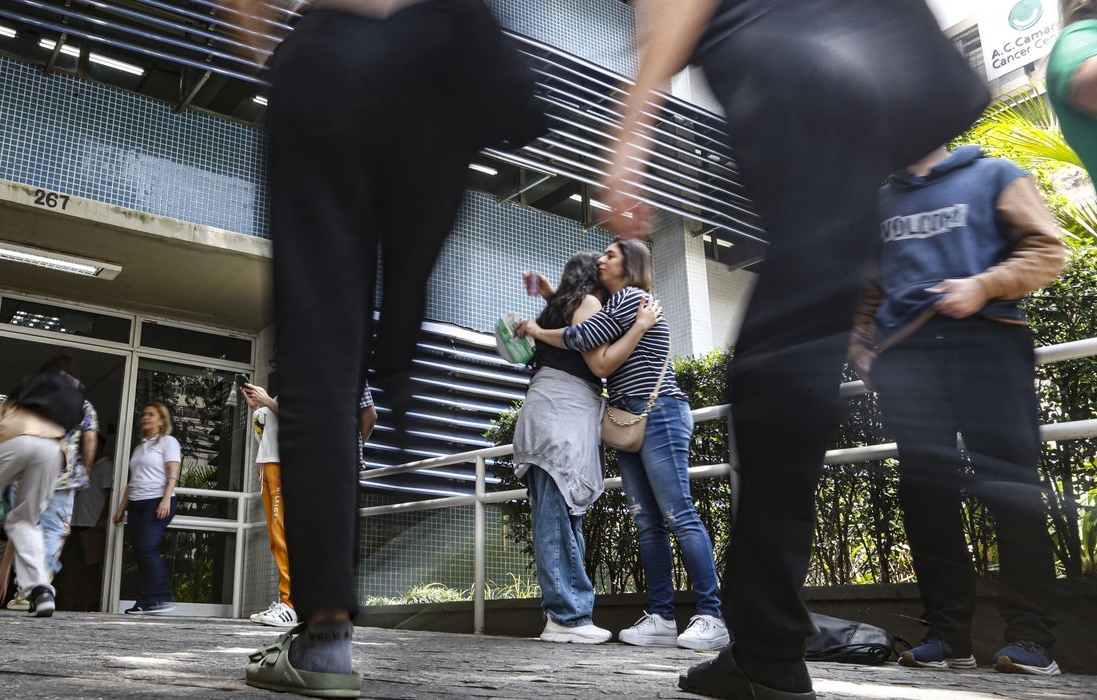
(269, 668)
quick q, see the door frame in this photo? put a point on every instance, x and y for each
(133, 353)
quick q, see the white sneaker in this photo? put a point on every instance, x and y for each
(580, 634)
(19, 602)
(704, 632)
(254, 617)
(651, 631)
(280, 615)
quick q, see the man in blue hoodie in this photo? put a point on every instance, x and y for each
(962, 239)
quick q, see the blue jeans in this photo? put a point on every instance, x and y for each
(657, 487)
(567, 595)
(56, 522)
(146, 533)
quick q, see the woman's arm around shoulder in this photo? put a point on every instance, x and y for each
(605, 359)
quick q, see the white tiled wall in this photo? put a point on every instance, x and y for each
(728, 294)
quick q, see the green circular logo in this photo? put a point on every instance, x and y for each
(1025, 14)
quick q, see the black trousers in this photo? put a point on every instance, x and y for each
(975, 377)
(811, 122)
(364, 164)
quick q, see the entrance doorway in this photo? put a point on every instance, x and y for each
(125, 361)
(80, 582)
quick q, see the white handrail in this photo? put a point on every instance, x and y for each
(1071, 430)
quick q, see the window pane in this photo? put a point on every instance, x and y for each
(200, 565)
(74, 322)
(192, 342)
(210, 422)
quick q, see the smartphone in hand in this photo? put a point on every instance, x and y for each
(242, 379)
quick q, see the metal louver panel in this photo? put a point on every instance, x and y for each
(460, 386)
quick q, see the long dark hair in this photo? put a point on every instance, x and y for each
(59, 363)
(1072, 11)
(580, 278)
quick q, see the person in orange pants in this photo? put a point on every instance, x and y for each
(264, 421)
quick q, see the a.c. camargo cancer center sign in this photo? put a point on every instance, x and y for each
(1016, 32)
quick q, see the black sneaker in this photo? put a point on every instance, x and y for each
(151, 609)
(41, 601)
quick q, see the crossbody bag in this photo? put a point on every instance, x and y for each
(625, 431)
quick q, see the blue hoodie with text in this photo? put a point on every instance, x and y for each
(941, 226)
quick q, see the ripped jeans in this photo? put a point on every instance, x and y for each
(657, 488)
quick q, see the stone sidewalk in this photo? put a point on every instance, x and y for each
(74, 655)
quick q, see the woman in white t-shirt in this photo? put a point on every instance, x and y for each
(149, 498)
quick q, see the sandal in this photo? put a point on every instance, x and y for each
(269, 668)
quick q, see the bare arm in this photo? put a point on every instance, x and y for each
(89, 443)
(256, 396)
(1083, 86)
(252, 19)
(552, 336)
(368, 419)
(538, 285)
(122, 503)
(606, 359)
(172, 470)
(862, 343)
(678, 25)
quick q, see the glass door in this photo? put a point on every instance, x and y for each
(201, 545)
(79, 584)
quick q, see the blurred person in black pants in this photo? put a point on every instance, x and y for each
(376, 109)
(822, 99)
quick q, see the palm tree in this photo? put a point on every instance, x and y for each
(1021, 126)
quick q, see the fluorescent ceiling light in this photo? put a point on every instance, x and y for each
(483, 169)
(719, 241)
(41, 321)
(58, 261)
(593, 202)
(98, 59)
(8, 32)
(259, 100)
(66, 49)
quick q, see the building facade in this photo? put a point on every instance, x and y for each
(132, 181)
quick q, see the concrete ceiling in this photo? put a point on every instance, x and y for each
(170, 269)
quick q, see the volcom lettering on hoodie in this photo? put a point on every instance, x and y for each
(924, 224)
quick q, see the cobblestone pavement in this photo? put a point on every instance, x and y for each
(76, 655)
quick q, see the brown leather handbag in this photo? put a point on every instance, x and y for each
(622, 430)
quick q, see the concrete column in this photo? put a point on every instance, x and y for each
(681, 285)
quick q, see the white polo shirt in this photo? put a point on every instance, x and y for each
(148, 474)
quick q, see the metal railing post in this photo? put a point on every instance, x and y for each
(734, 479)
(479, 559)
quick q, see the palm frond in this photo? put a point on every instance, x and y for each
(1021, 125)
(1079, 221)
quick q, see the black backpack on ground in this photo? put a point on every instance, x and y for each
(847, 641)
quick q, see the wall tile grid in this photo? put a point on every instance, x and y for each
(406, 550)
(600, 31)
(479, 275)
(729, 293)
(681, 285)
(62, 133)
(68, 135)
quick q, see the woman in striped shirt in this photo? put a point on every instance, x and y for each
(656, 479)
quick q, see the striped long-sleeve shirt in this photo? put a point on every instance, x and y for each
(639, 373)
